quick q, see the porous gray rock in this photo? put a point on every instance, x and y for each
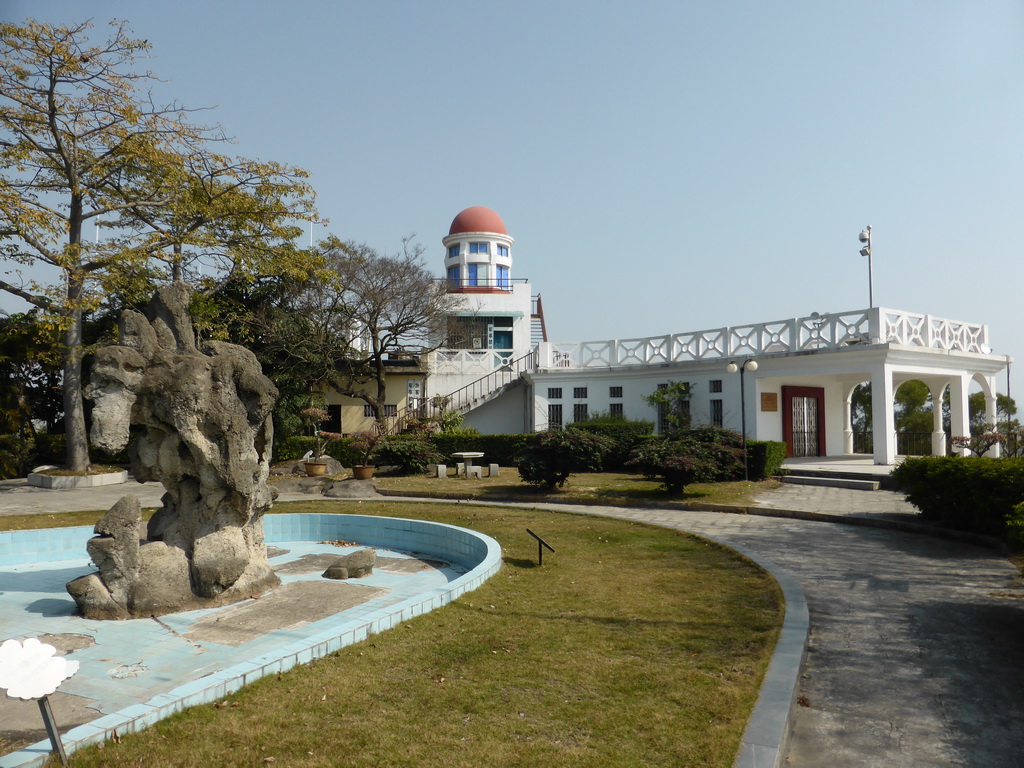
(200, 414)
(350, 488)
(354, 565)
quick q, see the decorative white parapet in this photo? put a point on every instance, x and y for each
(468, 361)
(801, 334)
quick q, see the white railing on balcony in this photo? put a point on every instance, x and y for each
(800, 334)
(469, 361)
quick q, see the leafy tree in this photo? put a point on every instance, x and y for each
(80, 143)
(673, 404)
(343, 331)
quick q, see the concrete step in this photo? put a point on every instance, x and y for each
(856, 484)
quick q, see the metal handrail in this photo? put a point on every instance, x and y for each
(464, 397)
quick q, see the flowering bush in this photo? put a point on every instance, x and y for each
(410, 453)
(550, 457)
(678, 463)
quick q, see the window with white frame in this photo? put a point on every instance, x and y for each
(503, 250)
(477, 274)
(479, 247)
(501, 278)
(453, 251)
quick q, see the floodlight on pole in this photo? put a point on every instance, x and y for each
(746, 365)
(865, 237)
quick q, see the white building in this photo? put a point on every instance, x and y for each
(796, 375)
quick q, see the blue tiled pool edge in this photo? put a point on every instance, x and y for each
(479, 554)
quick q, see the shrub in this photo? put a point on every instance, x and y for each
(550, 457)
(764, 458)
(970, 493)
(677, 463)
(410, 453)
(722, 446)
(299, 445)
(623, 434)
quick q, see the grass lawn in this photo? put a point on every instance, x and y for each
(631, 646)
(611, 488)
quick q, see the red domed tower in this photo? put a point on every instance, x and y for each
(478, 253)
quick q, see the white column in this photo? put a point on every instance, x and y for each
(883, 419)
(847, 422)
(991, 414)
(938, 433)
(959, 416)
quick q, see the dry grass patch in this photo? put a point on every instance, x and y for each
(631, 646)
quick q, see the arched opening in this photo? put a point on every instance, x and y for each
(914, 416)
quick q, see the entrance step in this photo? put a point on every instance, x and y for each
(832, 481)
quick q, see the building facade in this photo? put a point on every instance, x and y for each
(789, 380)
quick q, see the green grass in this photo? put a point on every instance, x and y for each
(631, 646)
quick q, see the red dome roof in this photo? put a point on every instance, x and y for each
(477, 219)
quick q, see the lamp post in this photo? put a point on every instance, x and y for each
(746, 365)
(865, 237)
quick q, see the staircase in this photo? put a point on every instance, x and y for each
(471, 396)
(867, 479)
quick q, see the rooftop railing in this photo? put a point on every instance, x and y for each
(802, 334)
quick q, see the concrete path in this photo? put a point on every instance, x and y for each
(916, 654)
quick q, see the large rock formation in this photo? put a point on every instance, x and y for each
(201, 420)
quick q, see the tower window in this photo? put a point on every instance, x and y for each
(453, 251)
(503, 250)
(454, 275)
(502, 277)
(478, 274)
(479, 247)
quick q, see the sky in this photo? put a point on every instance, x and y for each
(663, 166)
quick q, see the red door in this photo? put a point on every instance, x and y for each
(803, 420)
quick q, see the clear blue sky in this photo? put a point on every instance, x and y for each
(663, 166)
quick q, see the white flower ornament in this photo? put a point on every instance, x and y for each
(32, 670)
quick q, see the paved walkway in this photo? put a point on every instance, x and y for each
(916, 654)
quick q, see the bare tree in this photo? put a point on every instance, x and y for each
(341, 332)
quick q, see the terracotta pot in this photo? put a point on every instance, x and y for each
(362, 472)
(315, 468)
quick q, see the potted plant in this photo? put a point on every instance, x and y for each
(316, 464)
(365, 443)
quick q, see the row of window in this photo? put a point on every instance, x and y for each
(478, 274)
(579, 393)
(389, 411)
(453, 250)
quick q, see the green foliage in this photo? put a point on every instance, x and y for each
(623, 434)
(297, 446)
(410, 453)
(551, 456)
(765, 458)
(969, 493)
(723, 446)
(1015, 527)
(673, 403)
(677, 462)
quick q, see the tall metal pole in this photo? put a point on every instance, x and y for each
(743, 422)
(865, 237)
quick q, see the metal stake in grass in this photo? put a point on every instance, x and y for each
(541, 544)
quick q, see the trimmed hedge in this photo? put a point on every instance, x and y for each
(764, 458)
(969, 493)
(298, 446)
(497, 449)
